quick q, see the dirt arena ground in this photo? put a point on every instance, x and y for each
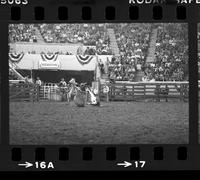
(53, 123)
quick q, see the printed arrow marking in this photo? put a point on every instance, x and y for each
(125, 164)
(26, 165)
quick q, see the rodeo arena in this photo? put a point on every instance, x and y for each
(111, 83)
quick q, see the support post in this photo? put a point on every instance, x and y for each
(181, 92)
(38, 92)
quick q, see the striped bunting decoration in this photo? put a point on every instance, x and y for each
(84, 59)
(15, 57)
(49, 57)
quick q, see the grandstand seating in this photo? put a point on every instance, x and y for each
(22, 33)
(157, 51)
(171, 54)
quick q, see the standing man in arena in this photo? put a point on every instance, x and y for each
(62, 83)
(63, 86)
(38, 81)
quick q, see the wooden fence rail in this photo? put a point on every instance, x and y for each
(138, 91)
(120, 91)
(23, 92)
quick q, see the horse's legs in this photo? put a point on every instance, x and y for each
(61, 96)
(67, 97)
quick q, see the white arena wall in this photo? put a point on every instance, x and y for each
(62, 62)
(44, 47)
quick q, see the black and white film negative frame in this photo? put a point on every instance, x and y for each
(99, 157)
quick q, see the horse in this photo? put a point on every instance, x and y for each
(79, 98)
(72, 92)
(63, 93)
(78, 95)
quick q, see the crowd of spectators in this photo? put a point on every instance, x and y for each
(83, 34)
(86, 34)
(171, 54)
(133, 42)
(122, 69)
(22, 33)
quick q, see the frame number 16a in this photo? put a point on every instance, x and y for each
(38, 165)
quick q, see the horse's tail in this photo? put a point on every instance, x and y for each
(79, 98)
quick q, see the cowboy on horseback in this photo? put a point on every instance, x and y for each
(72, 91)
(78, 94)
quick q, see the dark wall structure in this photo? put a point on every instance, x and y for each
(48, 76)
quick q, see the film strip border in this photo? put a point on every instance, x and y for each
(86, 13)
(105, 157)
(101, 158)
(90, 10)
